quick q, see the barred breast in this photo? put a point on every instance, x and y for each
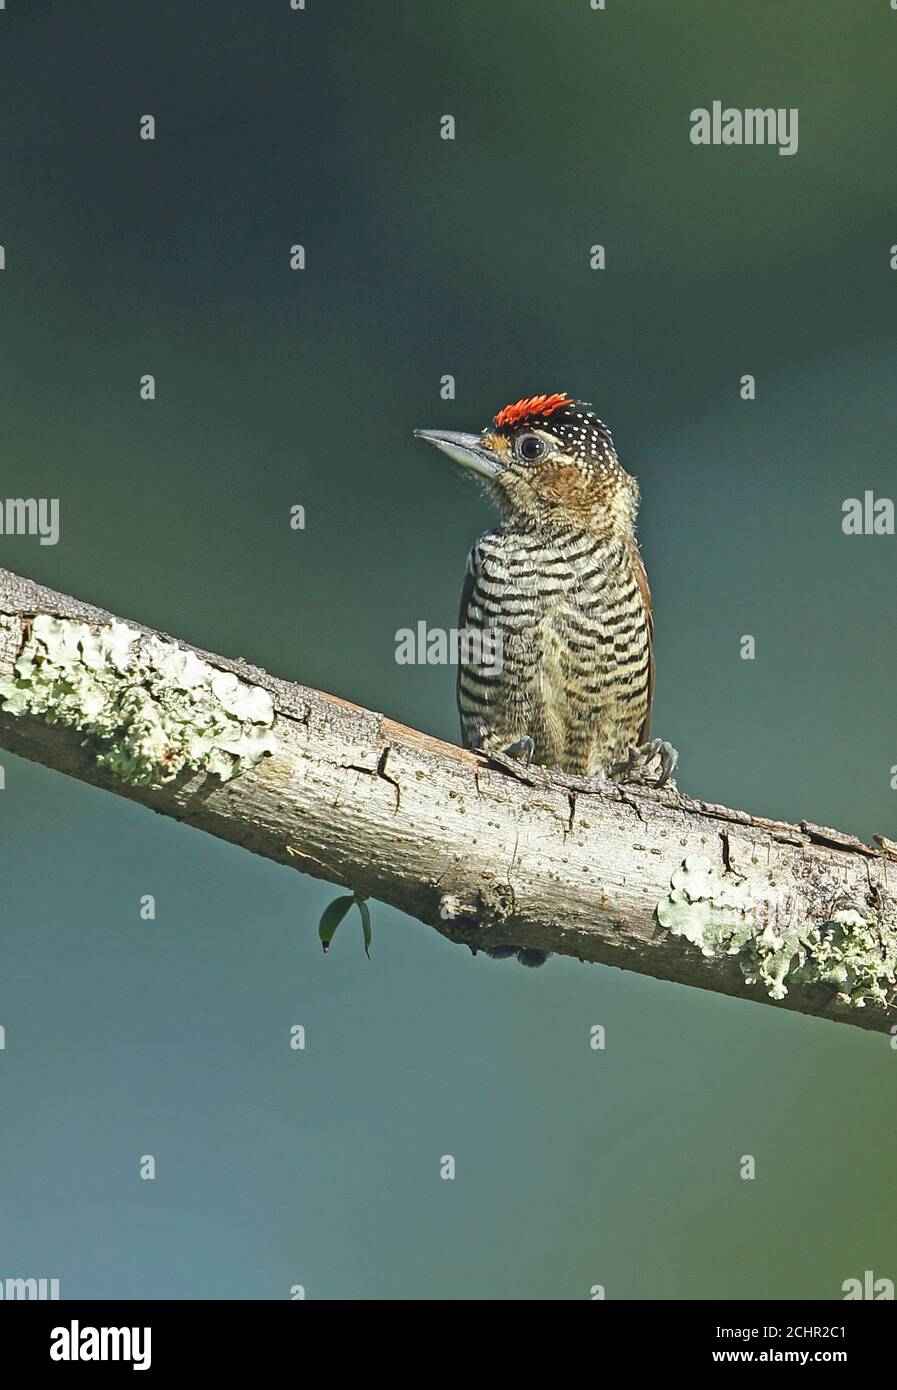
(570, 619)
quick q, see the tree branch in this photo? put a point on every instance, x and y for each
(485, 851)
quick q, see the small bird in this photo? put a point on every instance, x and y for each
(564, 674)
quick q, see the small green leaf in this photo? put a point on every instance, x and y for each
(365, 923)
(331, 918)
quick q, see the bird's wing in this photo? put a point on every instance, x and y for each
(641, 579)
(470, 579)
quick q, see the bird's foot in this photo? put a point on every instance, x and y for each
(652, 764)
(524, 749)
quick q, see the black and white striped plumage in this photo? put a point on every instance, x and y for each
(575, 625)
(560, 587)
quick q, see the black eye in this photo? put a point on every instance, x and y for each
(531, 447)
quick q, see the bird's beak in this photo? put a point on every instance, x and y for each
(466, 449)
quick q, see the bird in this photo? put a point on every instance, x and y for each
(563, 673)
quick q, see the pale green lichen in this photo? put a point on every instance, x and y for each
(707, 907)
(854, 953)
(769, 954)
(148, 709)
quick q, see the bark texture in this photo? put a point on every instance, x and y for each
(488, 852)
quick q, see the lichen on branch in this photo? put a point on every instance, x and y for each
(853, 951)
(148, 708)
(803, 917)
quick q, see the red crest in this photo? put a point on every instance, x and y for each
(540, 406)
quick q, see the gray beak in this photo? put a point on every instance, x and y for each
(465, 449)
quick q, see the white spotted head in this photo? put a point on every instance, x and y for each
(548, 460)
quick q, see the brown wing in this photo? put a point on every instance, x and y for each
(641, 579)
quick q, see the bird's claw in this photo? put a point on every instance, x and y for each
(640, 762)
(524, 749)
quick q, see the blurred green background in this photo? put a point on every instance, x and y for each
(424, 257)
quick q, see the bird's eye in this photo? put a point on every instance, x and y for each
(531, 447)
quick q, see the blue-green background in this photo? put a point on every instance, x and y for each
(321, 1167)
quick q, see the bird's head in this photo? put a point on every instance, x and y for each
(548, 461)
